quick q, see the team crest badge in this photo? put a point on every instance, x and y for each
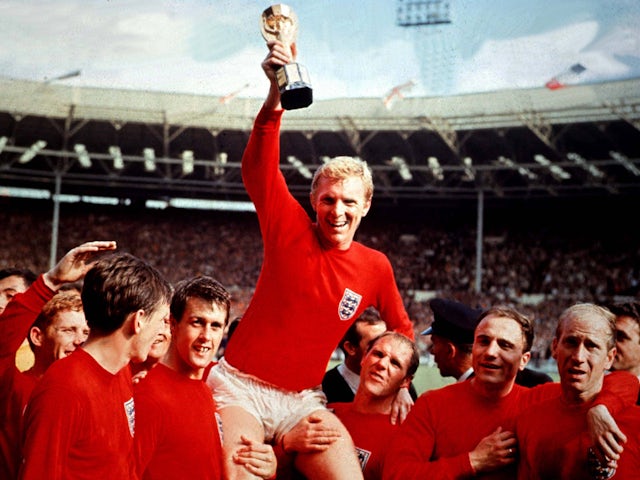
(130, 411)
(349, 304)
(363, 457)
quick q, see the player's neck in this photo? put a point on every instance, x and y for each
(492, 390)
(365, 402)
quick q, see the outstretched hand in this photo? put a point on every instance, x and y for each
(76, 263)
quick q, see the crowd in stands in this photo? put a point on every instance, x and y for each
(540, 274)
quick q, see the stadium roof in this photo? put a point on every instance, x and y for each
(580, 140)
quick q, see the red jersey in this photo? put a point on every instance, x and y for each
(79, 423)
(307, 296)
(16, 386)
(177, 432)
(370, 433)
(446, 424)
(554, 441)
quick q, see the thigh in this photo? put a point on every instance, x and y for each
(237, 423)
(339, 461)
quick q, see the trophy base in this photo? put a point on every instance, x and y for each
(295, 87)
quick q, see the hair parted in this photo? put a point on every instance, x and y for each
(202, 287)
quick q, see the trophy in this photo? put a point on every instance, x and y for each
(279, 22)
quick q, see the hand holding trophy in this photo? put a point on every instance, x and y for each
(279, 22)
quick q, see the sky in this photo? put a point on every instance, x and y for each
(351, 48)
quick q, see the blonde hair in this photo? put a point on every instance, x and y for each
(339, 168)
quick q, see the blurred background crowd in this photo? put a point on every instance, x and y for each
(540, 272)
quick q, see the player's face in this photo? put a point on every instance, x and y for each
(627, 345)
(9, 287)
(367, 333)
(583, 356)
(151, 326)
(197, 336)
(498, 351)
(384, 367)
(161, 343)
(441, 351)
(68, 331)
(339, 206)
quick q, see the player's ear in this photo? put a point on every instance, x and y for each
(524, 360)
(406, 383)
(349, 347)
(554, 347)
(137, 319)
(36, 335)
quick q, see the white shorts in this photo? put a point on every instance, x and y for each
(277, 410)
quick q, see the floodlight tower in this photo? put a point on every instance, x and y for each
(412, 14)
(435, 46)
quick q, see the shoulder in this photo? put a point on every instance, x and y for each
(443, 395)
(362, 249)
(340, 407)
(332, 374)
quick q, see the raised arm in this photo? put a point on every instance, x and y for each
(22, 311)
(76, 263)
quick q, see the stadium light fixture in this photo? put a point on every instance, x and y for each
(581, 162)
(149, 159)
(116, 154)
(83, 155)
(300, 167)
(30, 153)
(3, 143)
(525, 172)
(625, 162)
(221, 161)
(556, 171)
(188, 162)
(411, 13)
(469, 174)
(436, 169)
(403, 169)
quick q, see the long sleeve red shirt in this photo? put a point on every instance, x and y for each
(16, 386)
(306, 296)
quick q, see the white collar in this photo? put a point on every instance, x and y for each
(466, 375)
(352, 378)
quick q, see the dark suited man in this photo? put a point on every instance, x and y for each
(452, 339)
(341, 382)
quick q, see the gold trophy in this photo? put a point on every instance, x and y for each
(279, 22)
